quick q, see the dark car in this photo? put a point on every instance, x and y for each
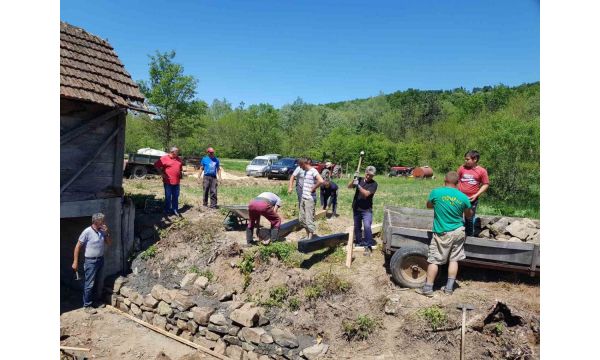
(282, 168)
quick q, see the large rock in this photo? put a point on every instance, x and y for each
(233, 330)
(232, 340)
(246, 316)
(315, 351)
(266, 338)
(119, 282)
(284, 338)
(150, 301)
(182, 300)
(251, 355)
(136, 310)
(251, 334)
(499, 227)
(164, 309)
(126, 291)
(137, 298)
(392, 305)
(212, 336)
(209, 344)
(522, 228)
(188, 280)
(218, 319)
(159, 292)
(183, 325)
(220, 347)
(485, 233)
(159, 322)
(202, 314)
(234, 352)
(201, 282)
(192, 326)
(148, 316)
(221, 329)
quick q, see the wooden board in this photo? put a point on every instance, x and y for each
(321, 242)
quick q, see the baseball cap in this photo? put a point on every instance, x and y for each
(370, 170)
(210, 150)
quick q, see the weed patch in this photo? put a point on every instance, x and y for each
(325, 285)
(150, 252)
(206, 272)
(359, 329)
(277, 296)
(284, 251)
(434, 315)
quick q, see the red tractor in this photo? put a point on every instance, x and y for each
(400, 171)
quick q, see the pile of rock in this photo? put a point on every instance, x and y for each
(510, 229)
(239, 330)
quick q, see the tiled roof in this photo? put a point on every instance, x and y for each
(91, 71)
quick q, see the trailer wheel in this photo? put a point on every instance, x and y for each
(409, 266)
(139, 172)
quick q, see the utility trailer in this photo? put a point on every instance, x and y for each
(137, 166)
(407, 235)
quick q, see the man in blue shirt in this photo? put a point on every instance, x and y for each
(210, 168)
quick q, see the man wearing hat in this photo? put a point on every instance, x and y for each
(362, 208)
(210, 168)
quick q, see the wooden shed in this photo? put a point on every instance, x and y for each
(95, 94)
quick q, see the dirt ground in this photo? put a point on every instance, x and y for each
(200, 241)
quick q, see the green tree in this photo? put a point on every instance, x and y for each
(170, 94)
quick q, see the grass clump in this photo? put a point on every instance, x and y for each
(359, 329)
(498, 328)
(150, 252)
(294, 303)
(277, 296)
(246, 265)
(312, 292)
(325, 285)
(434, 315)
(284, 251)
(206, 272)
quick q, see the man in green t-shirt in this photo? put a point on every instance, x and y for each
(447, 244)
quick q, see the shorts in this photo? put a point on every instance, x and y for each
(447, 246)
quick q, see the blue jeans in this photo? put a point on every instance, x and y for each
(91, 267)
(470, 222)
(171, 198)
(363, 218)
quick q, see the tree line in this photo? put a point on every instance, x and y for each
(409, 128)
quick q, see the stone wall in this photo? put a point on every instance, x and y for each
(239, 330)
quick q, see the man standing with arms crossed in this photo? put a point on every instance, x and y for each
(447, 243)
(170, 168)
(210, 167)
(473, 181)
(93, 238)
(312, 180)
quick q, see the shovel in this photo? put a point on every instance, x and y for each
(464, 308)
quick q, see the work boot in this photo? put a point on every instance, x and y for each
(90, 310)
(274, 234)
(249, 239)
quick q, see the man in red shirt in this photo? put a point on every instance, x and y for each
(170, 168)
(473, 181)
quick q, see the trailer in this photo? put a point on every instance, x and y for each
(407, 235)
(137, 166)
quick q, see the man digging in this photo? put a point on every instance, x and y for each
(447, 244)
(266, 204)
(93, 238)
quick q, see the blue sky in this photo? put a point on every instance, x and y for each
(322, 51)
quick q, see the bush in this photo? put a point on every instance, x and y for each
(150, 252)
(277, 296)
(246, 265)
(294, 303)
(359, 329)
(435, 316)
(325, 285)
(284, 251)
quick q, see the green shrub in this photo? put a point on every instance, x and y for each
(434, 315)
(246, 265)
(284, 251)
(359, 329)
(498, 328)
(277, 296)
(312, 292)
(150, 252)
(294, 303)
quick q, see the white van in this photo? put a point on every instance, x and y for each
(260, 165)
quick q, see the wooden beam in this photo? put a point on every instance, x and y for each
(80, 130)
(321, 242)
(98, 152)
(70, 348)
(119, 152)
(168, 334)
(350, 246)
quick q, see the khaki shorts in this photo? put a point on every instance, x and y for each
(447, 247)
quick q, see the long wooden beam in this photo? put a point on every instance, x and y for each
(168, 334)
(82, 129)
(70, 348)
(320, 242)
(85, 166)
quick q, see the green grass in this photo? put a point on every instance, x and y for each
(234, 165)
(434, 315)
(359, 329)
(206, 272)
(150, 252)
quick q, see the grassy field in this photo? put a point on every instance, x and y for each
(398, 191)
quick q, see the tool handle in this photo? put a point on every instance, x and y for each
(462, 334)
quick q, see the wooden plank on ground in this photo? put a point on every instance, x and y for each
(70, 348)
(321, 242)
(350, 246)
(168, 334)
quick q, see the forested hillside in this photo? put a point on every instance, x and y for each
(411, 127)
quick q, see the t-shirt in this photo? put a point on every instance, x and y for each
(332, 190)
(172, 168)
(364, 203)
(448, 206)
(470, 180)
(299, 175)
(310, 179)
(272, 198)
(211, 165)
(93, 241)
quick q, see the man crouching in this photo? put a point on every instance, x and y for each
(447, 244)
(266, 204)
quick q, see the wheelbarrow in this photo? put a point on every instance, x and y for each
(237, 217)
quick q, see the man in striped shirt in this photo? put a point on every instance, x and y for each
(312, 180)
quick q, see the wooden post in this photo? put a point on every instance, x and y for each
(350, 246)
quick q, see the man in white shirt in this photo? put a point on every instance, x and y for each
(312, 180)
(297, 175)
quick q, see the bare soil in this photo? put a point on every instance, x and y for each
(200, 241)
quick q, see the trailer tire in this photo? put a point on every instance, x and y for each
(409, 266)
(139, 172)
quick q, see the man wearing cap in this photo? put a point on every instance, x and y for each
(210, 168)
(326, 172)
(362, 208)
(266, 204)
(170, 168)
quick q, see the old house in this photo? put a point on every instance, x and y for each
(95, 94)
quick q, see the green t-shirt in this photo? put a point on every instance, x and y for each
(448, 206)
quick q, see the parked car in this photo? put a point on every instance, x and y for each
(259, 166)
(282, 168)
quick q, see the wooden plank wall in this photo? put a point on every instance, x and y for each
(103, 177)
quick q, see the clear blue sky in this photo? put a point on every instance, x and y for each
(322, 51)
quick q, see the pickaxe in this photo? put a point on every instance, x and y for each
(464, 308)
